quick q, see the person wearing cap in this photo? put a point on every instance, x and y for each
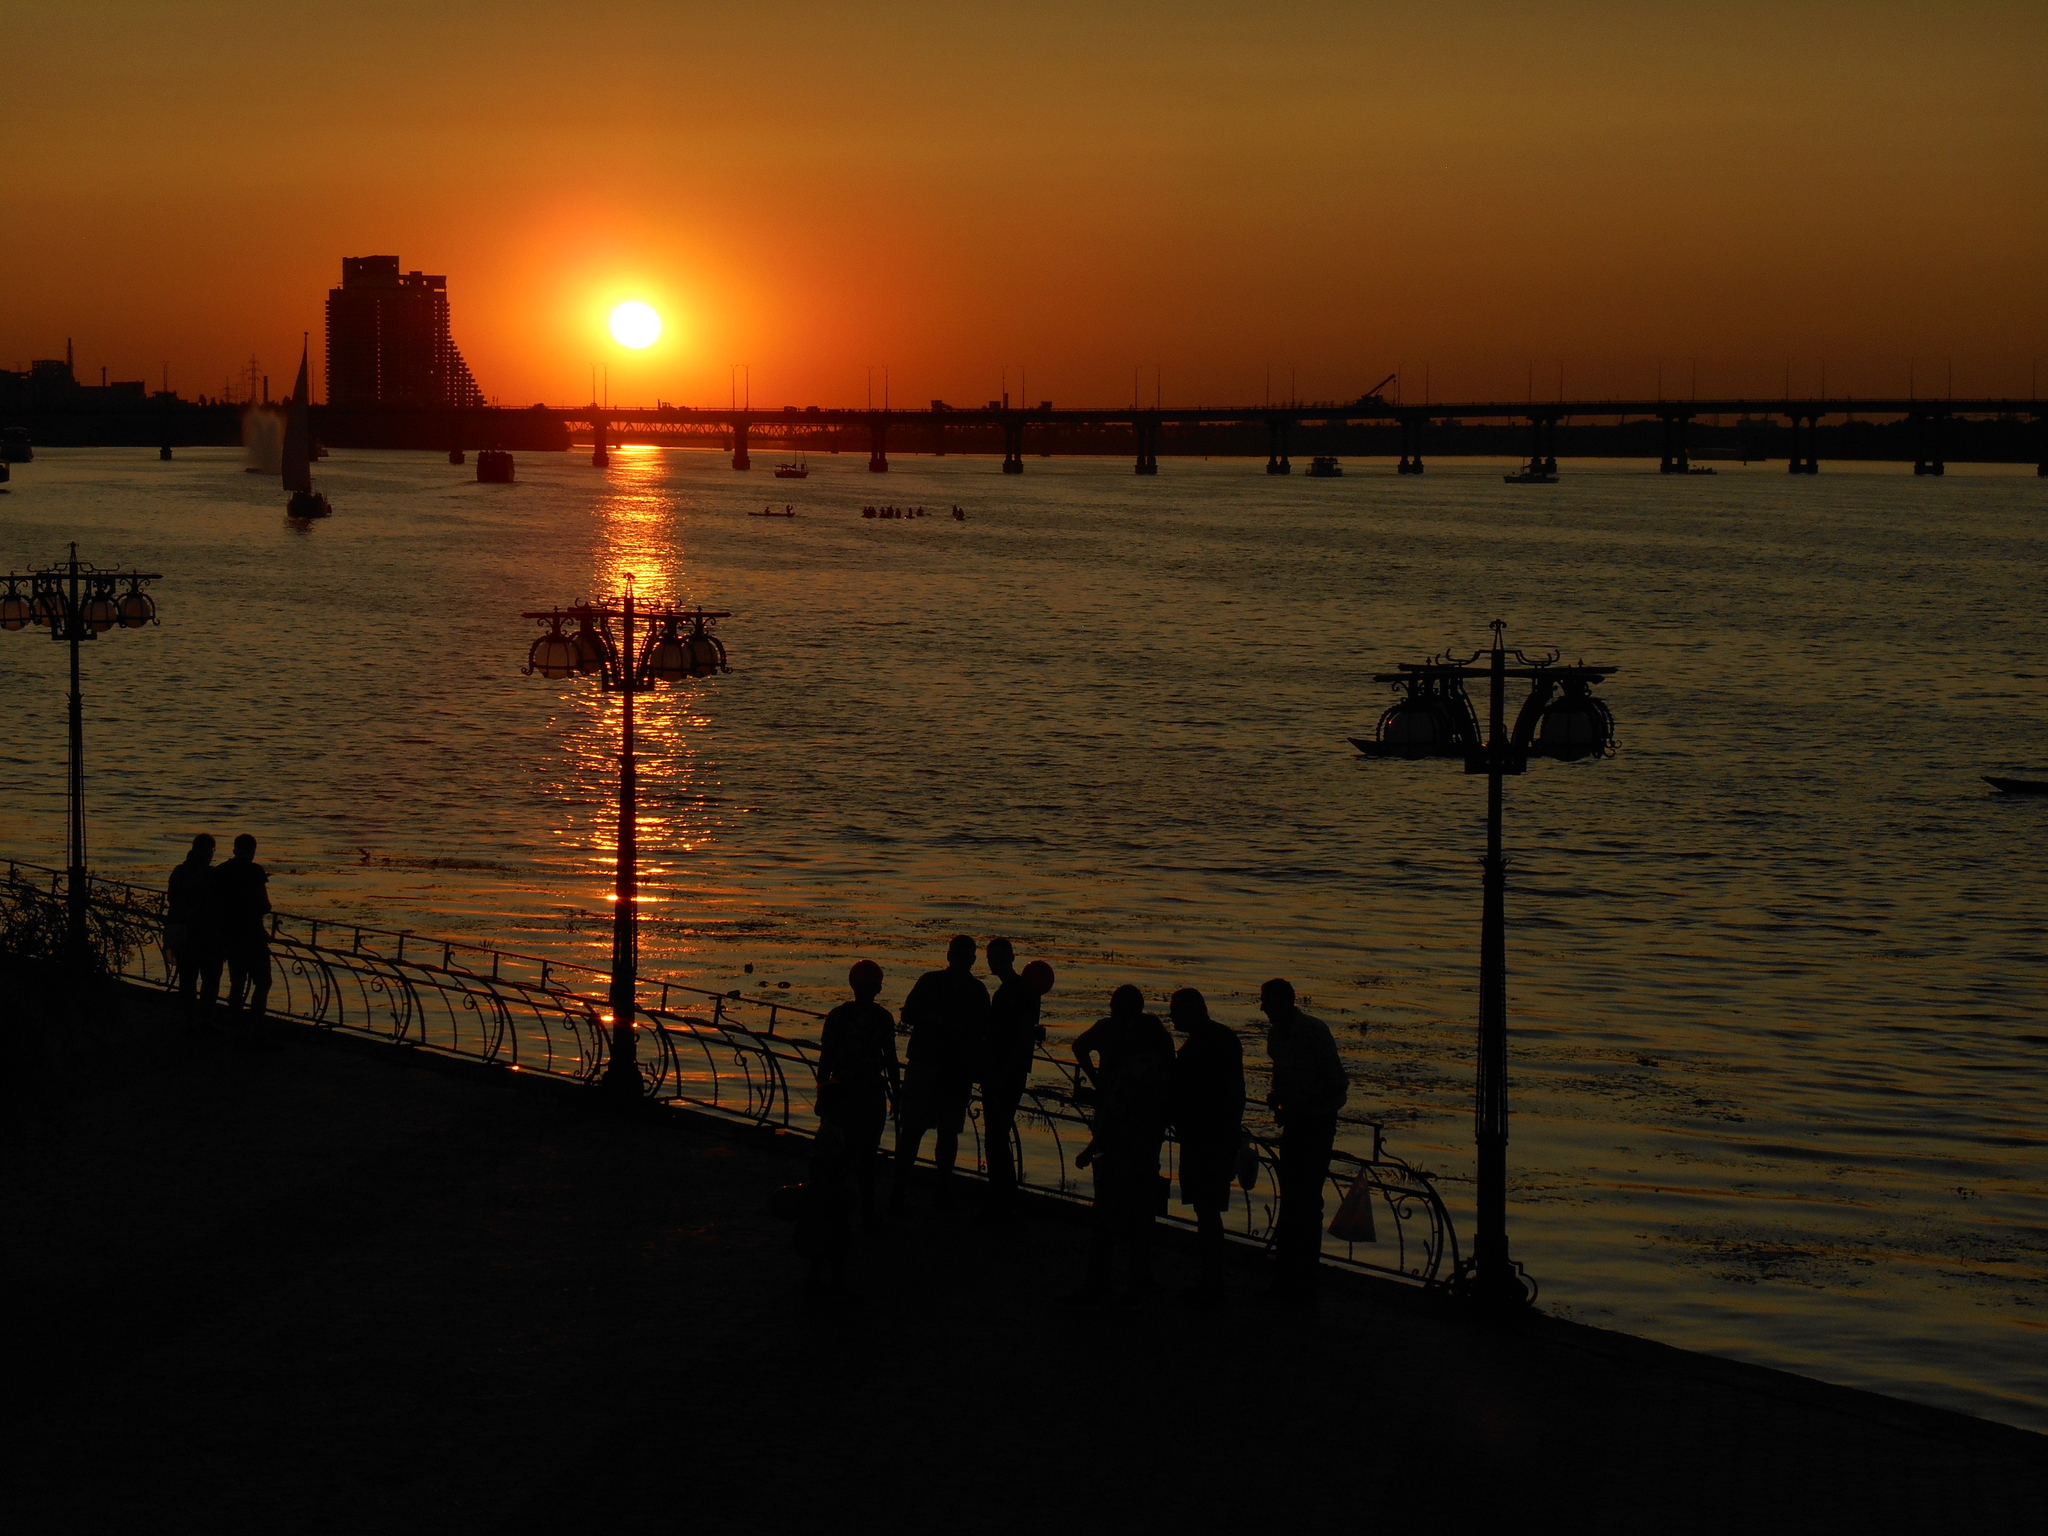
(1127, 1059)
(1208, 1122)
(1012, 1036)
(947, 1011)
(1309, 1087)
(858, 1077)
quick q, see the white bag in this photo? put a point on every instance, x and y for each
(1353, 1221)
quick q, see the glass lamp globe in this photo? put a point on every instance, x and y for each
(553, 655)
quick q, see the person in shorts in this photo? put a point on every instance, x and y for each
(947, 1012)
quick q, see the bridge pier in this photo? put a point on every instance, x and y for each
(938, 439)
(1676, 460)
(739, 446)
(1148, 445)
(1803, 461)
(1542, 446)
(878, 447)
(1013, 446)
(2041, 430)
(1276, 447)
(600, 455)
(1928, 432)
(1411, 445)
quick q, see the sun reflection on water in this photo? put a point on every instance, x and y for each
(640, 533)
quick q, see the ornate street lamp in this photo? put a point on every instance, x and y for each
(1561, 718)
(676, 644)
(76, 601)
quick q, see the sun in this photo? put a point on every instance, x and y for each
(635, 325)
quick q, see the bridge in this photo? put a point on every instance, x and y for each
(929, 426)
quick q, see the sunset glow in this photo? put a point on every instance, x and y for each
(635, 325)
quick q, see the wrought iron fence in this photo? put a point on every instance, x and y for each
(749, 1058)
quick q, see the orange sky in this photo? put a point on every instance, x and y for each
(949, 188)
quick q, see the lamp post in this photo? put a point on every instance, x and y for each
(76, 601)
(1434, 717)
(626, 663)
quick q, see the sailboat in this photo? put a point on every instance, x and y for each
(305, 502)
(795, 469)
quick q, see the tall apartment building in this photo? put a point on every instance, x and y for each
(388, 341)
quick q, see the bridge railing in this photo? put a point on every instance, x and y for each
(751, 1059)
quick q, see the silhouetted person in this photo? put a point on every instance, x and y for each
(242, 902)
(946, 1011)
(192, 929)
(1208, 1117)
(1128, 1061)
(858, 1076)
(1007, 1045)
(1309, 1087)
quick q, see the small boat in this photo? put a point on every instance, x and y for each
(795, 469)
(494, 466)
(1531, 475)
(306, 503)
(2018, 786)
(771, 512)
(1324, 466)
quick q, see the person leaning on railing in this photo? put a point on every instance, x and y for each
(1127, 1059)
(1309, 1087)
(190, 930)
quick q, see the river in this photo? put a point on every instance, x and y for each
(1775, 968)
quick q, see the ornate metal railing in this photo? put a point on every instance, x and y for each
(753, 1059)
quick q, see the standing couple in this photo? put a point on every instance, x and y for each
(215, 916)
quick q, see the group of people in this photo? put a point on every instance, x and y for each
(1133, 1082)
(214, 918)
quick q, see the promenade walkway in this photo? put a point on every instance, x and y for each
(330, 1286)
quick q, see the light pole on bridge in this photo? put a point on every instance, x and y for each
(677, 645)
(1560, 718)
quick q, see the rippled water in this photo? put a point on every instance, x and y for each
(1775, 969)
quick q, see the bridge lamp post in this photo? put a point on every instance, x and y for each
(648, 646)
(76, 601)
(1562, 719)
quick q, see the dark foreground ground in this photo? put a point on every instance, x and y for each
(332, 1287)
